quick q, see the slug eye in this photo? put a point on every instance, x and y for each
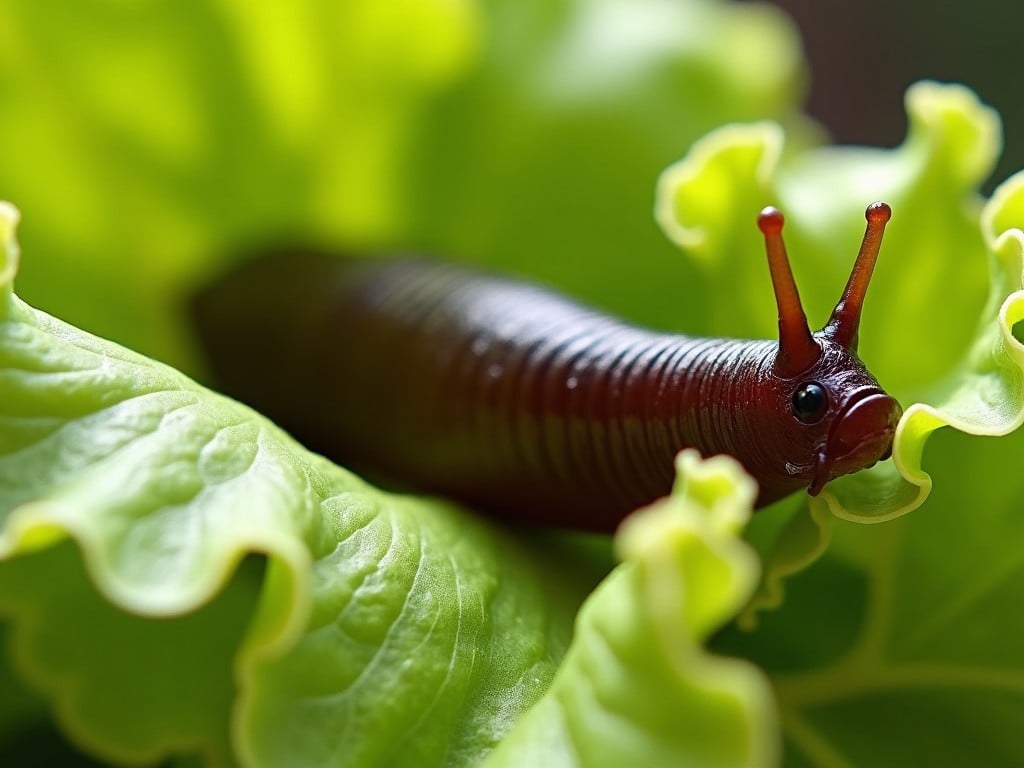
(810, 401)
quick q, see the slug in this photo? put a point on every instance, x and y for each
(518, 401)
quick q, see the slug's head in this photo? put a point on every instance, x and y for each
(835, 417)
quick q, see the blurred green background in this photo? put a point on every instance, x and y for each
(149, 144)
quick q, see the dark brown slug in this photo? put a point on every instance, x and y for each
(524, 403)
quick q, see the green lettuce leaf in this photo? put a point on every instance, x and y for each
(381, 630)
(637, 684)
(901, 645)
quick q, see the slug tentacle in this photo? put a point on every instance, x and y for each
(797, 348)
(844, 324)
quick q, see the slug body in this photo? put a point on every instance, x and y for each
(522, 402)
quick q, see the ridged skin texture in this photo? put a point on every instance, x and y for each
(498, 393)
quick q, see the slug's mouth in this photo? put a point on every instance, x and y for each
(861, 436)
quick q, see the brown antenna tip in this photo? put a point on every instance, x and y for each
(770, 220)
(844, 323)
(878, 213)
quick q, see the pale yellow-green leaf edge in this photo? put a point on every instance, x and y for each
(686, 571)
